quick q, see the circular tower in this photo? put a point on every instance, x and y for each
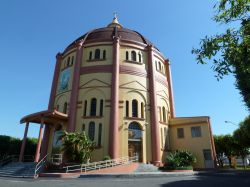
(115, 85)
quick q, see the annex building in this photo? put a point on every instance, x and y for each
(115, 85)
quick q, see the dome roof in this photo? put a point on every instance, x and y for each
(107, 34)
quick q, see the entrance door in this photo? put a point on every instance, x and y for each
(208, 161)
(134, 148)
(135, 140)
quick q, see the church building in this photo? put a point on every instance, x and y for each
(115, 85)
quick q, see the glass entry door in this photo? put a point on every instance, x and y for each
(135, 140)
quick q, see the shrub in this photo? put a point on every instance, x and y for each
(107, 157)
(179, 159)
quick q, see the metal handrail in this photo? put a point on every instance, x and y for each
(39, 165)
(101, 164)
(5, 160)
(56, 158)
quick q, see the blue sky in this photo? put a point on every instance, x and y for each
(32, 32)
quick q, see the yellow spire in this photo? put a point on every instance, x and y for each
(115, 22)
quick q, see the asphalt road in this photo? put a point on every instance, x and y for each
(228, 179)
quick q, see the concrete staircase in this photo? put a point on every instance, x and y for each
(18, 169)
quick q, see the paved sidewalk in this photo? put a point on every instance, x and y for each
(131, 170)
(128, 168)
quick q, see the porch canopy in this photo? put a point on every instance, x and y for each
(48, 117)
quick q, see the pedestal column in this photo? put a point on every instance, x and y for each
(45, 142)
(55, 81)
(114, 110)
(74, 91)
(24, 142)
(170, 89)
(154, 122)
(38, 147)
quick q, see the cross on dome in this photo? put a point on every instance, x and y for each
(115, 22)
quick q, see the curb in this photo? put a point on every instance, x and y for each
(139, 175)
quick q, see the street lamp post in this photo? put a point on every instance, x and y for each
(231, 123)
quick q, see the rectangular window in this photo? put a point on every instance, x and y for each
(101, 107)
(180, 132)
(196, 131)
(127, 109)
(100, 135)
(166, 139)
(83, 127)
(162, 141)
(85, 108)
(159, 110)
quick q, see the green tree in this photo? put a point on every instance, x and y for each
(225, 146)
(219, 146)
(242, 139)
(241, 148)
(229, 52)
(77, 147)
(245, 131)
(11, 146)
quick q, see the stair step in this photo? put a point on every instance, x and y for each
(18, 169)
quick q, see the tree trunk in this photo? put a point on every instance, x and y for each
(243, 161)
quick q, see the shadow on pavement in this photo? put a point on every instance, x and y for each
(214, 180)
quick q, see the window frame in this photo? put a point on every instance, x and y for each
(99, 141)
(101, 108)
(134, 108)
(133, 56)
(91, 131)
(127, 109)
(97, 54)
(93, 106)
(196, 132)
(180, 133)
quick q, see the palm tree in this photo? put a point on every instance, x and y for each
(77, 147)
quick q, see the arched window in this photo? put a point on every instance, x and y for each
(162, 138)
(97, 54)
(134, 108)
(90, 55)
(99, 143)
(101, 107)
(91, 132)
(142, 110)
(68, 61)
(127, 108)
(93, 107)
(159, 63)
(65, 108)
(166, 139)
(85, 108)
(72, 60)
(83, 127)
(134, 131)
(133, 55)
(164, 114)
(104, 54)
(159, 109)
(139, 55)
(127, 55)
